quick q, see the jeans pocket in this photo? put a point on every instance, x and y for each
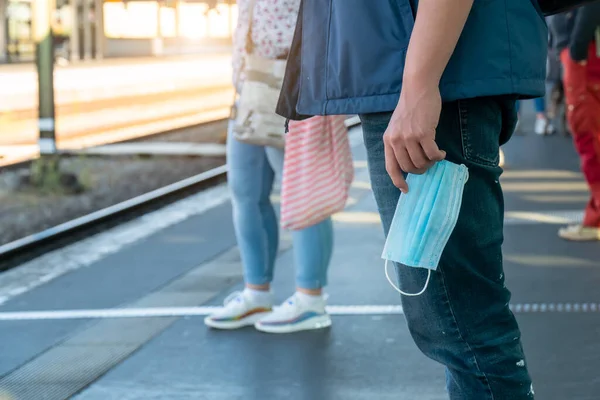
(481, 126)
(510, 118)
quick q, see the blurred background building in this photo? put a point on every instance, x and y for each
(95, 29)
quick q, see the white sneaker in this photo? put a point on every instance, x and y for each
(579, 233)
(541, 126)
(240, 310)
(295, 315)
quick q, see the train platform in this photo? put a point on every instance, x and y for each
(114, 100)
(118, 316)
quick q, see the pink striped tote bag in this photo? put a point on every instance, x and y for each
(317, 171)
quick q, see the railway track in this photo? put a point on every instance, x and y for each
(114, 101)
(14, 253)
(102, 122)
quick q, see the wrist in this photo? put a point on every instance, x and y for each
(420, 80)
(418, 85)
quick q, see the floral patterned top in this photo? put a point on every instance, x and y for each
(273, 26)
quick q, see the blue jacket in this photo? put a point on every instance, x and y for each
(348, 56)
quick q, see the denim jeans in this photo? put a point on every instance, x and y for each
(539, 104)
(463, 319)
(252, 173)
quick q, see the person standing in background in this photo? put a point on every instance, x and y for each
(543, 124)
(556, 95)
(252, 172)
(576, 39)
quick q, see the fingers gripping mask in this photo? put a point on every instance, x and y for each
(425, 218)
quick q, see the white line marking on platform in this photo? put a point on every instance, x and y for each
(361, 185)
(541, 174)
(511, 217)
(549, 261)
(550, 187)
(82, 254)
(339, 310)
(558, 199)
(558, 217)
(352, 121)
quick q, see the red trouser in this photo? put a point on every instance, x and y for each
(582, 91)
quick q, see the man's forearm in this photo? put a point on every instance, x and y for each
(437, 29)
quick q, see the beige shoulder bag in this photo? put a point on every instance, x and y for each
(254, 118)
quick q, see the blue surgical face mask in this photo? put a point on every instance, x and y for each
(425, 218)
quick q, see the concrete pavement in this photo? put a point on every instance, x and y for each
(182, 260)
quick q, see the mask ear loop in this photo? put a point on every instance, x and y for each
(396, 288)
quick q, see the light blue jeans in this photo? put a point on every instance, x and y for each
(252, 173)
(539, 104)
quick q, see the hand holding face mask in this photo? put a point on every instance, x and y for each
(409, 140)
(425, 218)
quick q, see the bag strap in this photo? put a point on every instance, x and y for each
(249, 47)
(249, 42)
